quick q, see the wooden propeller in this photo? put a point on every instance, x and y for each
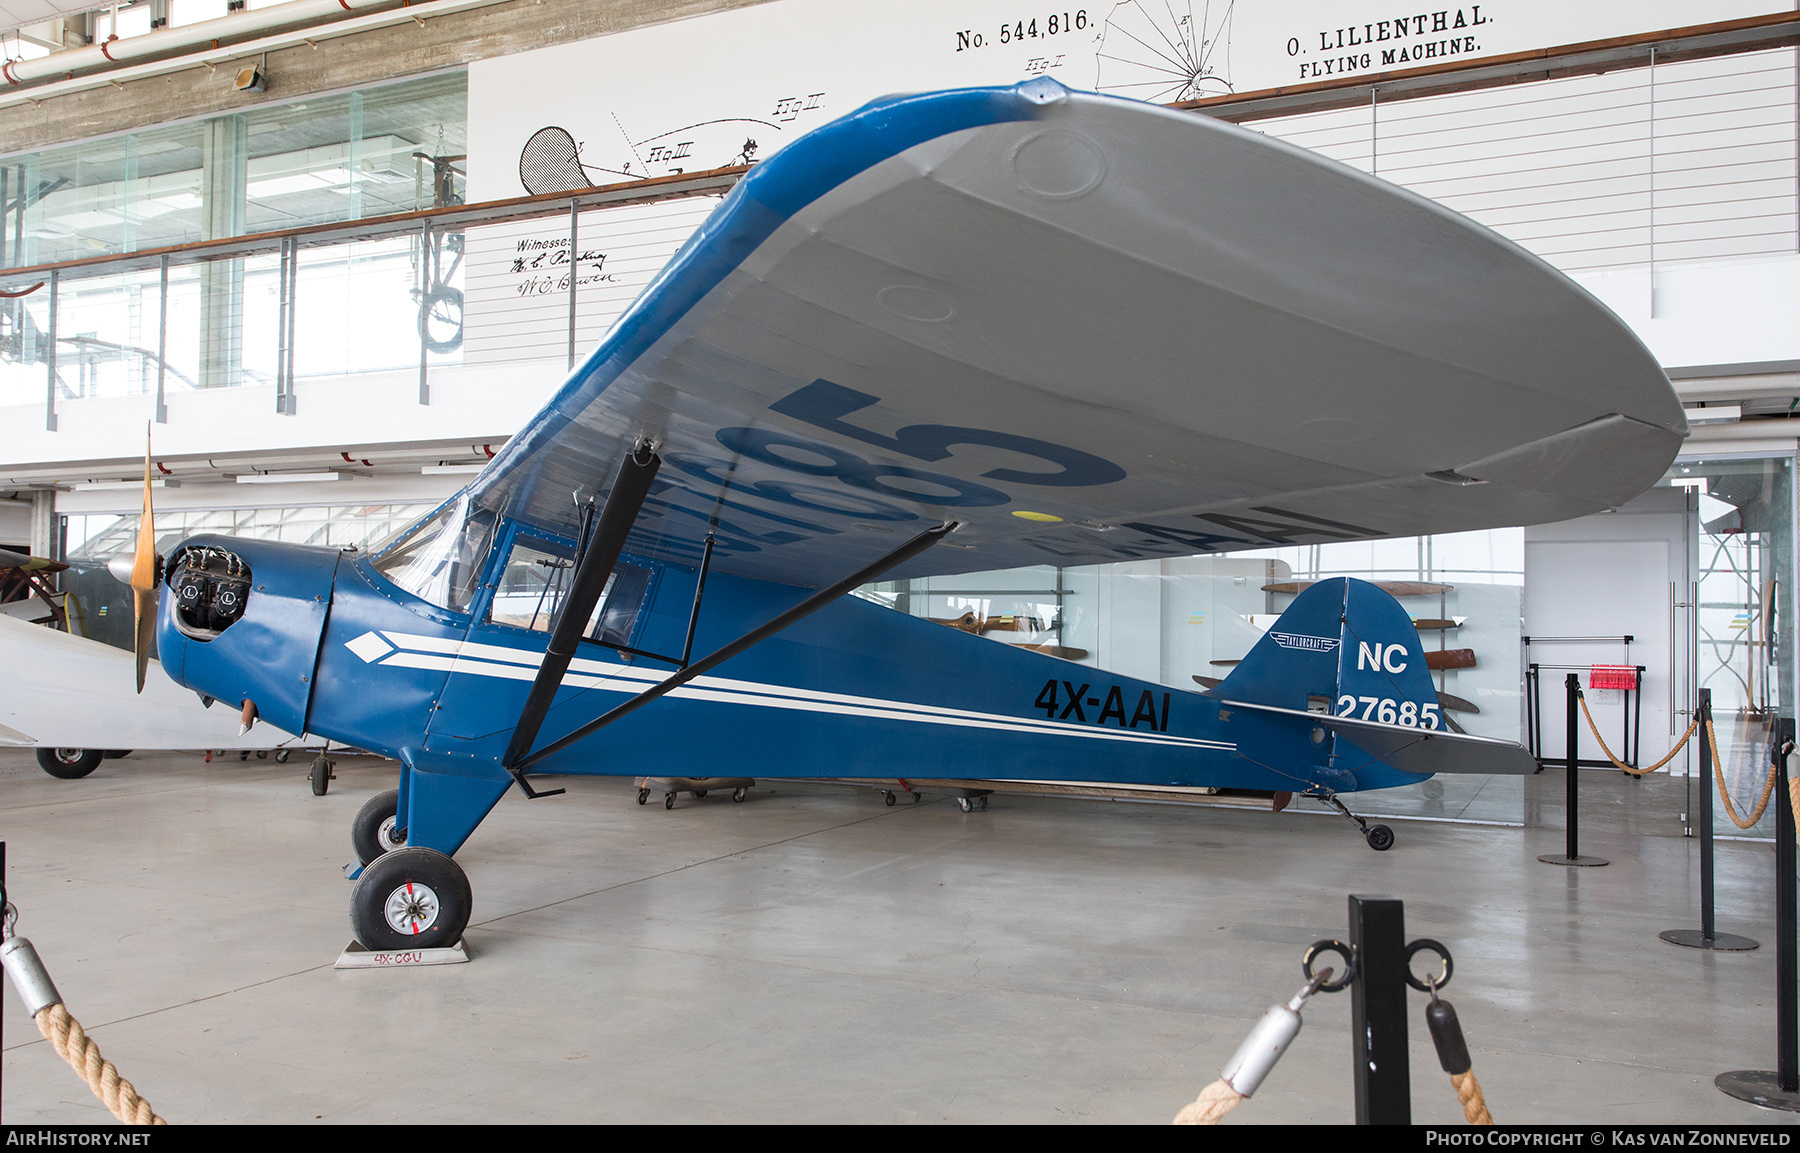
(143, 576)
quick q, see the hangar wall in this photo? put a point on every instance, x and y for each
(1669, 192)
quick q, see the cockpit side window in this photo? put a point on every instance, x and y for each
(536, 578)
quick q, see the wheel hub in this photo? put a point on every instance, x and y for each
(389, 839)
(411, 909)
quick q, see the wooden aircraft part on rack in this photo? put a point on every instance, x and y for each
(1391, 588)
(1063, 651)
(1440, 660)
(1450, 701)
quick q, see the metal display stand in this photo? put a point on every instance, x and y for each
(1706, 937)
(1779, 1089)
(1572, 834)
(1631, 716)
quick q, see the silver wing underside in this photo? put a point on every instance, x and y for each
(1090, 329)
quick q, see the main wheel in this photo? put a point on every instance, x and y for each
(69, 763)
(411, 899)
(375, 832)
(1380, 838)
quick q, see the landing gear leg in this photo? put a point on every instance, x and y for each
(1380, 837)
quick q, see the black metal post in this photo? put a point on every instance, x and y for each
(1572, 832)
(1380, 1069)
(1779, 1089)
(1571, 802)
(1707, 937)
(1786, 970)
(597, 560)
(1704, 716)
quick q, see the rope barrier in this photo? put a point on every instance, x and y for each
(1725, 795)
(64, 1032)
(1468, 1093)
(73, 1045)
(1621, 765)
(1712, 739)
(1214, 1102)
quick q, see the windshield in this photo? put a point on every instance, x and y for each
(440, 560)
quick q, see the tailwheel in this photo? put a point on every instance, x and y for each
(375, 831)
(1380, 837)
(321, 775)
(412, 898)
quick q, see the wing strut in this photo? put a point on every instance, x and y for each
(598, 557)
(805, 608)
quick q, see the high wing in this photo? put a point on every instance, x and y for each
(1089, 329)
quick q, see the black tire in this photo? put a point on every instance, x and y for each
(320, 775)
(698, 793)
(738, 795)
(669, 801)
(1380, 838)
(889, 799)
(115, 754)
(643, 796)
(281, 756)
(373, 833)
(69, 764)
(411, 898)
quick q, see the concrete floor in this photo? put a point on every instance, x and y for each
(813, 956)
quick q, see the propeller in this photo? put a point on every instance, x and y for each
(144, 569)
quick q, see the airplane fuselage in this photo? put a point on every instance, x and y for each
(327, 644)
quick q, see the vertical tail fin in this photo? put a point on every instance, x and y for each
(1346, 648)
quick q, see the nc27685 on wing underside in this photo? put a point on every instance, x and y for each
(950, 332)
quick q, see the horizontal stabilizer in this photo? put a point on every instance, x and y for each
(1415, 750)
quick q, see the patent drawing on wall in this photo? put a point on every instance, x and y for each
(1159, 51)
(551, 160)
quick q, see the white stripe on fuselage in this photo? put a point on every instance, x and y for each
(470, 658)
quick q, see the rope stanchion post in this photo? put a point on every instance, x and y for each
(1572, 767)
(1779, 1089)
(1707, 937)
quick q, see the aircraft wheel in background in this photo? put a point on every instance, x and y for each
(375, 831)
(412, 898)
(1380, 838)
(281, 756)
(320, 774)
(738, 795)
(68, 763)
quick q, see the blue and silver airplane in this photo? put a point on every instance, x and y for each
(952, 332)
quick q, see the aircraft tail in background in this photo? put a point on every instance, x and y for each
(1346, 657)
